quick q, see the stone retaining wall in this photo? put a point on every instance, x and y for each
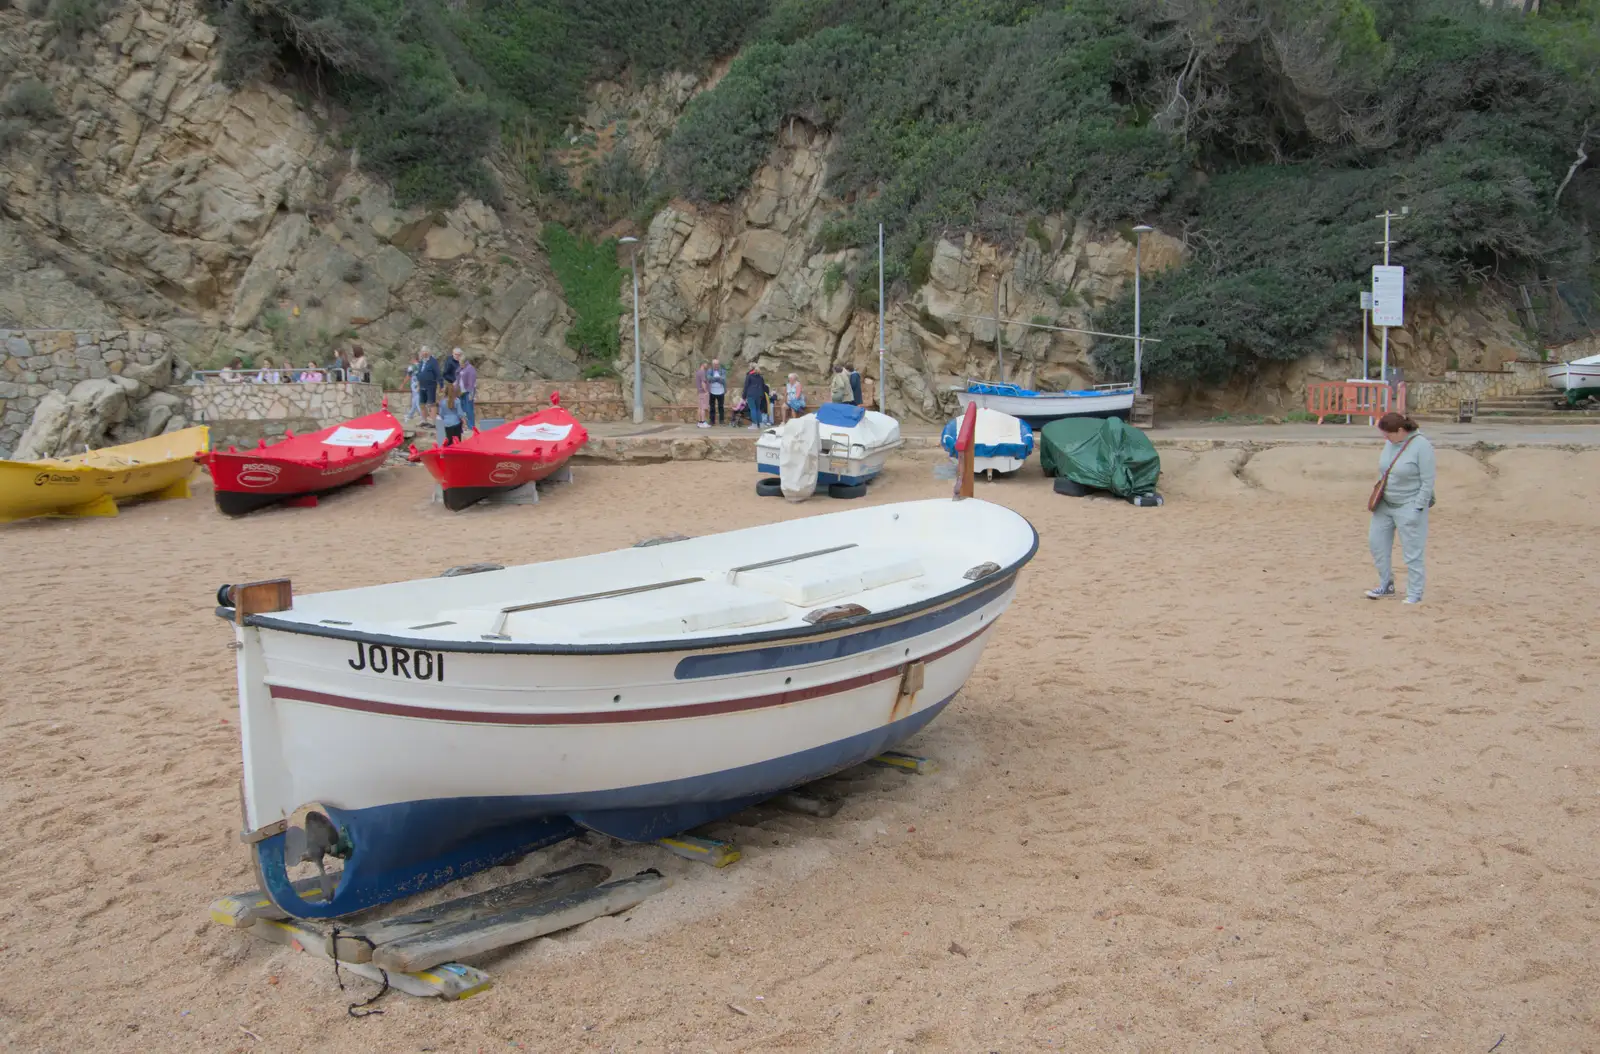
(1513, 378)
(243, 413)
(36, 361)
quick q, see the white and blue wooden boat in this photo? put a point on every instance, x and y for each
(424, 730)
(856, 443)
(1040, 408)
(1001, 443)
(1579, 373)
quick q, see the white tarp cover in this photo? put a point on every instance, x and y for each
(545, 433)
(798, 447)
(1592, 360)
(873, 432)
(343, 436)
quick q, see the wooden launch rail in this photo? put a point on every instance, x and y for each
(415, 952)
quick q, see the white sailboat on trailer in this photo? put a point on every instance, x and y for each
(424, 730)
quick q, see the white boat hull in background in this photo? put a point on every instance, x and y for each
(1040, 410)
(1582, 373)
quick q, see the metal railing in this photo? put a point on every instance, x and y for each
(259, 375)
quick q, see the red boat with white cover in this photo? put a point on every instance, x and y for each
(505, 457)
(298, 468)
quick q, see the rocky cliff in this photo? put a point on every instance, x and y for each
(746, 284)
(136, 190)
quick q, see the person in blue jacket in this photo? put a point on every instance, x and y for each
(428, 384)
(855, 385)
(755, 396)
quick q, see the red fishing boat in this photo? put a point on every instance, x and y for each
(505, 457)
(297, 469)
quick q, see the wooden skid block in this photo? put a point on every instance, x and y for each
(104, 505)
(172, 491)
(357, 943)
(701, 850)
(809, 804)
(904, 762)
(476, 936)
(449, 981)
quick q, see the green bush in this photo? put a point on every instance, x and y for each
(1306, 117)
(428, 84)
(592, 281)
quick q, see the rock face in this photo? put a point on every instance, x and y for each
(229, 221)
(743, 284)
(63, 390)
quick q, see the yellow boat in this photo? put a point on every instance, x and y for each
(92, 483)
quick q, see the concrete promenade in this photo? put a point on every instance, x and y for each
(654, 441)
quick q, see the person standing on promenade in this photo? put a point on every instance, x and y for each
(855, 385)
(467, 384)
(702, 395)
(428, 384)
(717, 387)
(1399, 504)
(413, 380)
(839, 385)
(755, 396)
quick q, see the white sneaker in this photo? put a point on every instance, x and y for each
(702, 424)
(1413, 600)
(1381, 592)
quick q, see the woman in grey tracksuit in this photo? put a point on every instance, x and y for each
(1407, 457)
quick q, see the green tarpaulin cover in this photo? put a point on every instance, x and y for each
(1105, 455)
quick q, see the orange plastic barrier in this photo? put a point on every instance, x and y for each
(1369, 399)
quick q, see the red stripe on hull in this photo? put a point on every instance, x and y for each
(606, 717)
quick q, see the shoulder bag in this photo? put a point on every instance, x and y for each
(1377, 489)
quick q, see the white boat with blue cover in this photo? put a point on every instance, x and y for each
(424, 730)
(1001, 443)
(1040, 408)
(856, 443)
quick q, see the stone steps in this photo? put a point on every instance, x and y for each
(1570, 417)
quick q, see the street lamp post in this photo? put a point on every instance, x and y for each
(638, 360)
(1138, 341)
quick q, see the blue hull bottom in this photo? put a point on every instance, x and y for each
(409, 847)
(825, 478)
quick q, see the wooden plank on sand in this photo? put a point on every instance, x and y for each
(448, 981)
(466, 939)
(355, 944)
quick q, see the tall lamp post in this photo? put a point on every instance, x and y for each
(638, 362)
(1138, 341)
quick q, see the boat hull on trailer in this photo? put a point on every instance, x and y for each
(482, 749)
(302, 467)
(505, 457)
(1040, 408)
(855, 445)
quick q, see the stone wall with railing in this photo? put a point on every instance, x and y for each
(241, 413)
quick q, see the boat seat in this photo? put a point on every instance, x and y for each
(696, 607)
(806, 583)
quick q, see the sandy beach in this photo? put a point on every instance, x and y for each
(1198, 795)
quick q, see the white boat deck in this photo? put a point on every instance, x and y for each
(758, 580)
